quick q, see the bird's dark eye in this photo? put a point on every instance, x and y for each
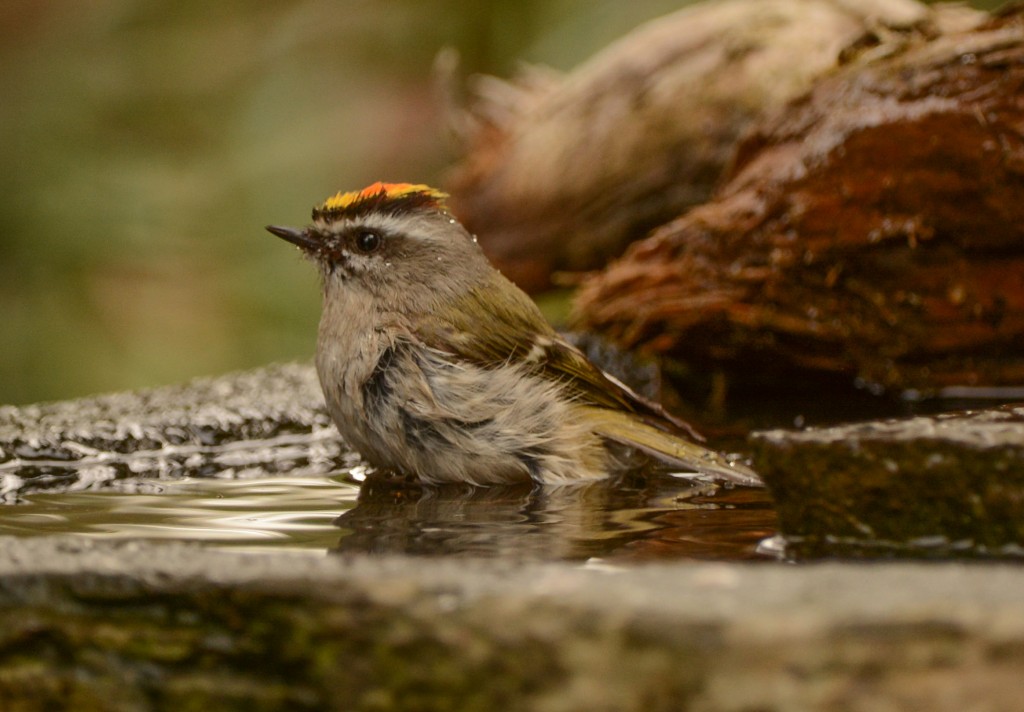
(368, 241)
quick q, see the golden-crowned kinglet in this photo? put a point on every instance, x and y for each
(435, 365)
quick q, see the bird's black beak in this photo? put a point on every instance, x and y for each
(295, 236)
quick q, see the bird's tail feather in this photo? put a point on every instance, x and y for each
(671, 449)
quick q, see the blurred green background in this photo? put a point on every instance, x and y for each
(147, 143)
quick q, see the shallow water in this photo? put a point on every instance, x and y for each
(252, 461)
(657, 517)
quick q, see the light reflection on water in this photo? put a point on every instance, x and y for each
(654, 518)
(293, 512)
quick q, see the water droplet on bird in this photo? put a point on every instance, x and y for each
(451, 220)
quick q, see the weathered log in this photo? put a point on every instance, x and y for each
(874, 228)
(562, 173)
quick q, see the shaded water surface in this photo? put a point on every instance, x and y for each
(655, 517)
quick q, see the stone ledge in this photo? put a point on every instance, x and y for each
(104, 626)
(950, 484)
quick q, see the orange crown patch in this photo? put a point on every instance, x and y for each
(390, 198)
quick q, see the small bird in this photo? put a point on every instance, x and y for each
(435, 365)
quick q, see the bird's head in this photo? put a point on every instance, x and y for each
(393, 240)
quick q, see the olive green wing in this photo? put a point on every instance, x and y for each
(489, 332)
(476, 329)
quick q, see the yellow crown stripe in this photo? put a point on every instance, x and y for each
(380, 191)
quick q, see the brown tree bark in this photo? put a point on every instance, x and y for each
(873, 228)
(561, 173)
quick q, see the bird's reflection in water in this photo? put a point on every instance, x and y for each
(643, 517)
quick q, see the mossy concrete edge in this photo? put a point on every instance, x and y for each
(94, 625)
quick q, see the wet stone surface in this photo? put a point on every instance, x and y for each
(937, 486)
(242, 425)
